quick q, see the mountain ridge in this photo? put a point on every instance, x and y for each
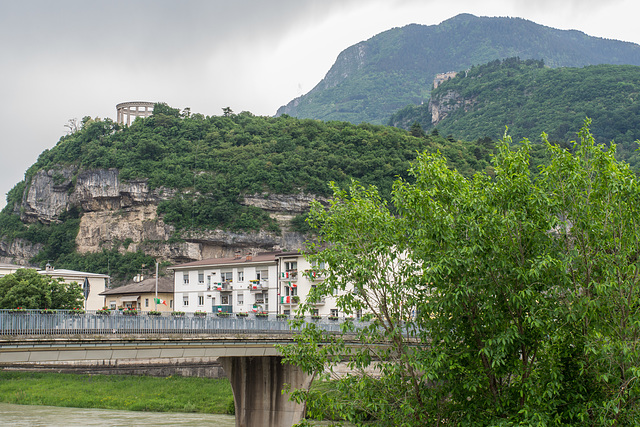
(372, 79)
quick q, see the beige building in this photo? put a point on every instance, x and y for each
(142, 295)
(10, 268)
(92, 284)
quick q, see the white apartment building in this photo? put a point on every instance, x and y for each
(271, 282)
(296, 277)
(243, 284)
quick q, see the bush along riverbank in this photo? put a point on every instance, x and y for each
(122, 392)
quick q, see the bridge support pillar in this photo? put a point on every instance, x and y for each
(257, 384)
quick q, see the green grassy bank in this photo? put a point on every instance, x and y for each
(123, 392)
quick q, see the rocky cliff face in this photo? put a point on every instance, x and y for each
(443, 105)
(117, 212)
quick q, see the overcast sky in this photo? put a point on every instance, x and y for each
(68, 59)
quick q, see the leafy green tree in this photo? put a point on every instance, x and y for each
(27, 288)
(502, 299)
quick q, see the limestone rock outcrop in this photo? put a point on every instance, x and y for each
(124, 213)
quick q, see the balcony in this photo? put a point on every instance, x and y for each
(257, 285)
(222, 287)
(289, 275)
(314, 275)
(295, 299)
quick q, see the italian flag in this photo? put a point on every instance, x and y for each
(160, 301)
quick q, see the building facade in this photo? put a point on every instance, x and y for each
(92, 284)
(270, 282)
(296, 277)
(242, 284)
(142, 295)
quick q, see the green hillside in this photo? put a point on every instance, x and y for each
(213, 161)
(531, 99)
(373, 79)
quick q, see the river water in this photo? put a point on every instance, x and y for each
(50, 416)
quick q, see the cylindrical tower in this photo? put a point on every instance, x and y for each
(133, 109)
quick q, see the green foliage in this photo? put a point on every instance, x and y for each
(121, 392)
(215, 161)
(397, 67)
(28, 289)
(531, 99)
(503, 299)
(120, 266)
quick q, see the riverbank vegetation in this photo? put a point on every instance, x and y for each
(121, 392)
(510, 299)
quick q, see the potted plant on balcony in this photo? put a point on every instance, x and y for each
(223, 314)
(154, 313)
(282, 316)
(200, 314)
(130, 312)
(295, 299)
(333, 317)
(242, 314)
(76, 311)
(48, 311)
(315, 317)
(104, 311)
(177, 313)
(262, 314)
(18, 310)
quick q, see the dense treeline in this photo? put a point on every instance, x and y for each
(213, 162)
(531, 99)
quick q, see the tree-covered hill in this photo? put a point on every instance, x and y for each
(372, 79)
(531, 99)
(209, 164)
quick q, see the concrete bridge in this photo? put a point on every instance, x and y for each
(246, 348)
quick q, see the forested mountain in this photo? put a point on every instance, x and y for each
(179, 186)
(530, 99)
(373, 79)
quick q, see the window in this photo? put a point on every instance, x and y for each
(225, 300)
(185, 300)
(315, 312)
(208, 280)
(146, 302)
(290, 266)
(294, 291)
(240, 299)
(262, 274)
(185, 278)
(226, 277)
(112, 305)
(170, 303)
(201, 277)
(334, 312)
(240, 275)
(200, 300)
(287, 312)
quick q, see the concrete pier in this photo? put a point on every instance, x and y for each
(257, 384)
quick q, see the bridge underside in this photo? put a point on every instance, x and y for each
(252, 364)
(257, 384)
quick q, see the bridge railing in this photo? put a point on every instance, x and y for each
(62, 322)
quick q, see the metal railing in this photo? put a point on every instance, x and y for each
(62, 322)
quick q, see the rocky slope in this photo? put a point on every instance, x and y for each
(114, 212)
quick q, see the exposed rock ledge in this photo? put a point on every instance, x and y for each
(116, 212)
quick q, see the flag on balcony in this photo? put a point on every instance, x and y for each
(160, 301)
(285, 275)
